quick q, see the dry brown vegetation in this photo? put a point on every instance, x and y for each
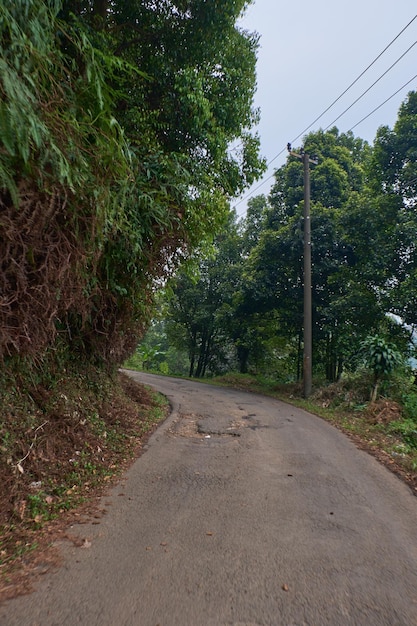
(43, 263)
(58, 451)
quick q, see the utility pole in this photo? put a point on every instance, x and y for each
(308, 326)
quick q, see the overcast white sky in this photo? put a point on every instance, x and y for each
(310, 52)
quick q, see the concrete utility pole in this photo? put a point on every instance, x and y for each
(308, 328)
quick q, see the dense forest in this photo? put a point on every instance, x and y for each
(241, 308)
(127, 129)
(116, 120)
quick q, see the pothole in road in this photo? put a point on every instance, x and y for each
(197, 426)
(185, 425)
(209, 426)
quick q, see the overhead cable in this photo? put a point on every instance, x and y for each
(249, 195)
(350, 86)
(340, 96)
(373, 85)
(382, 103)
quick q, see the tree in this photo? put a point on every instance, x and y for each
(275, 266)
(381, 358)
(116, 119)
(201, 305)
(363, 252)
(393, 180)
(254, 222)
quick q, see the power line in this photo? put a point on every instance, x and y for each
(373, 85)
(250, 194)
(382, 104)
(339, 97)
(350, 86)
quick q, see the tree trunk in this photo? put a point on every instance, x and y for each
(374, 390)
(299, 356)
(100, 8)
(192, 352)
(339, 368)
(200, 363)
(331, 358)
(243, 357)
(191, 371)
(207, 352)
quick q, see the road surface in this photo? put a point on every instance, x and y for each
(244, 511)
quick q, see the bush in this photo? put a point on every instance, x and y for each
(410, 407)
(407, 429)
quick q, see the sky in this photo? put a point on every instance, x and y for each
(309, 53)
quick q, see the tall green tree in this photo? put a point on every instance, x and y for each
(275, 266)
(116, 120)
(393, 181)
(202, 305)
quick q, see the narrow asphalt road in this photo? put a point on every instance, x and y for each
(244, 511)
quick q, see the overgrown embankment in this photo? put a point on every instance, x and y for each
(62, 441)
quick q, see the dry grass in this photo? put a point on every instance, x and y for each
(60, 448)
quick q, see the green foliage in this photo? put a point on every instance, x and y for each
(393, 181)
(51, 117)
(407, 428)
(201, 306)
(380, 356)
(115, 144)
(154, 352)
(357, 256)
(363, 259)
(409, 401)
(275, 267)
(207, 315)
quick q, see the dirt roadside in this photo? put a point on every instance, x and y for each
(67, 465)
